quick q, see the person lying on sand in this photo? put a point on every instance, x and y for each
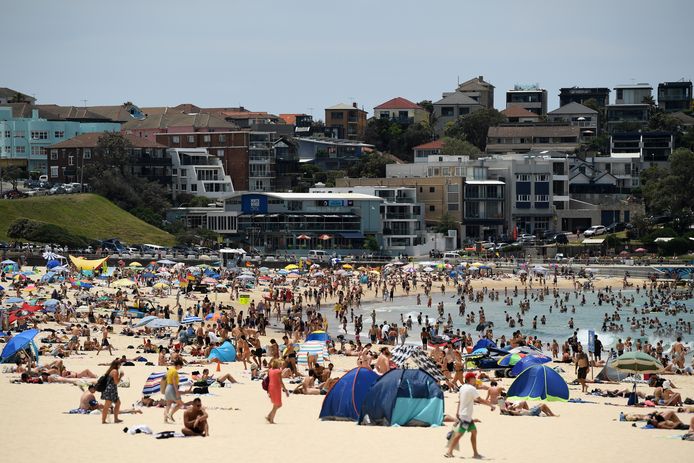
(667, 420)
(522, 409)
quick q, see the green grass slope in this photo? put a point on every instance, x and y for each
(88, 215)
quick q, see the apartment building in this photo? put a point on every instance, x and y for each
(601, 95)
(675, 96)
(198, 172)
(529, 97)
(348, 122)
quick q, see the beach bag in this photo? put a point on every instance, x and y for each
(101, 384)
(266, 383)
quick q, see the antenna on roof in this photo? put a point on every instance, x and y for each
(85, 102)
(458, 80)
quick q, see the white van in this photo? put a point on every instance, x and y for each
(317, 255)
(451, 255)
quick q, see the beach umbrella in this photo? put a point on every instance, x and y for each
(637, 362)
(318, 335)
(510, 360)
(283, 272)
(146, 320)
(639, 250)
(318, 274)
(624, 253)
(165, 262)
(303, 237)
(135, 264)
(191, 319)
(527, 362)
(539, 382)
(324, 237)
(14, 300)
(52, 264)
(50, 302)
(122, 283)
(483, 344)
(82, 284)
(291, 267)
(245, 277)
(293, 275)
(264, 270)
(208, 281)
(160, 285)
(428, 269)
(17, 343)
(347, 267)
(162, 323)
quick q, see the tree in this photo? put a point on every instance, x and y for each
(458, 147)
(395, 138)
(19, 97)
(372, 165)
(12, 174)
(446, 223)
(113, 151)
(670, 190)
(371, 243)
(660, 120)
(474, 126)
(428, 105)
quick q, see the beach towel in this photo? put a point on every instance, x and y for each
(138, 429)
(153, 383)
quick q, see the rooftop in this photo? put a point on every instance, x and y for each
(343, 106)
(311, 196)
(517, 111)
(572, 108)
(91, 140)
(432, 145)
(398, 103)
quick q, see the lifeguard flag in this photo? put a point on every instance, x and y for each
(515, 233)
(244, 299)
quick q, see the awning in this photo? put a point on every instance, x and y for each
(352, 235)
(593, 241)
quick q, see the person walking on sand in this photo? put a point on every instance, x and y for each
(110, 394)
(275, 389)
(581, 369)
(467, 396)
(171, 393)
(104, 341)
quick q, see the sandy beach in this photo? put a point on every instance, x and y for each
(38, 427)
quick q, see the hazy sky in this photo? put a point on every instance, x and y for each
(290, 56)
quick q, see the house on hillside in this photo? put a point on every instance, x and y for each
(401, 111)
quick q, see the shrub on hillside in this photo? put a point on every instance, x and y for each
(42, 232)
(675, 247)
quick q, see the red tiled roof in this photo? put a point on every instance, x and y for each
(91, 140)
(398, 103)
(517, 111)
(432, 145)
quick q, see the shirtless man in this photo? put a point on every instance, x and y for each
(104, 341)
(88, 400)
(195, 420)
(678, 352)
(383, 362)
(582, 363)
(494, 392)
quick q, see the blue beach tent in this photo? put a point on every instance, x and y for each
(224, 353)
(344, 400)
(403, 397)
(539, 382)
(484, 343)
(17, 343)
(318, 336)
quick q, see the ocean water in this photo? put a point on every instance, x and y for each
(586, 317)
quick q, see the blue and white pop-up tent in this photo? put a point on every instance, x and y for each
(224, 353)
(539, 382)
(17, 343)
(343, 402)
(403, 398)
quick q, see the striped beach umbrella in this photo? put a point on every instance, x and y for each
(317, 348)
(191, 319)
(637, 362)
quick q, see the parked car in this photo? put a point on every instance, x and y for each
(558, 238)
(595, 230)
(616, 227)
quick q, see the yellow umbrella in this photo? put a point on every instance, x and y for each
(160, 285)
(375, 272)
(291, 267)
(362, 269)
(123, 282)
(347, 267)
(135, 264)
(476, 264)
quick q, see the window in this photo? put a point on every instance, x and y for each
(20, 149)
(432, 189)
(222, 138)
(87, 154)
(522, 177)
(39, 135)
(463, 111)
(453, 207)
(8, 134)
(183, 172)
(523, 198)
(54, 155)
(447, 111)
(206, 138)
(191, 138)
(453, 188)
(472, 210)
(432, 208)
(385, 114)
(19, 134)
(175, 139)
(220, 153)
(54, 171)
(337, 115)
(541, 198)
(59, 134)
(39, 150)
(70, 160)
(541, 177)
(193, 187)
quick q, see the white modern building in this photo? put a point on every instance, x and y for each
(197, 172)
(402, 216)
